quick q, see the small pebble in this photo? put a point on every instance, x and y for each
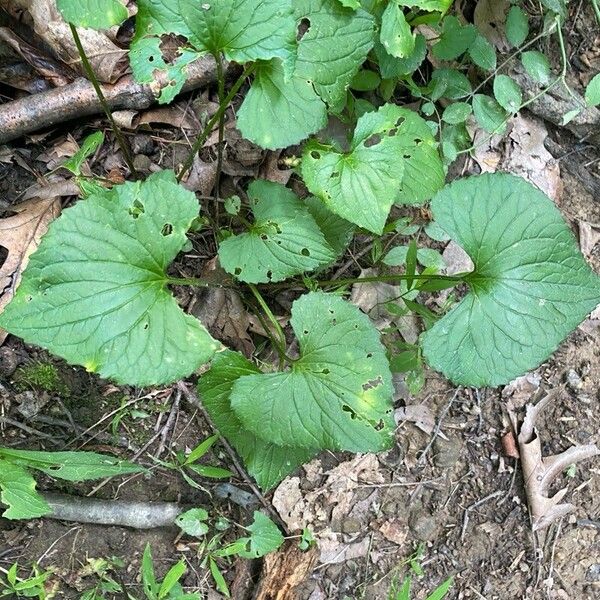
(593, 573)
(142, 163)
(573, 380)
(8, 361)
(351, 525)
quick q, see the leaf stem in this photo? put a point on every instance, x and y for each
(221, 93)
(281, 343)
(92, 77)
(201, 283)
(213, 121)
(596, 10)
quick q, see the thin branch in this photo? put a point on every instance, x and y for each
(92, 77)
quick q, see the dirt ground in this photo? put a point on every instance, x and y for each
(457, 498)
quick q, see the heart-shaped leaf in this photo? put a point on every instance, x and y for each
(333, 48)
(95, 292)
(531, 285)
(265, 461)
(17, 491)
(276, 112)
(243, 30)
(337, 395)
(283, 241)
(392, 158)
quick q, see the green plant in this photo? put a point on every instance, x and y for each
(29, 587)
(437, 594)
(101, 569)
(17, 485)
(42, 376)
(96, 292)
(184, 464)
(264, 537)
(167, 589)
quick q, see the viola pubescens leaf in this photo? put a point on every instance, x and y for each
(283, 241)
(531, 286)
(95, 291)
(337, 395)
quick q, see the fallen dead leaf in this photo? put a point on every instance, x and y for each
(394, 530)
(589, 236)
(20, 235)
(419, 414)
(489, 18)
(201, 177)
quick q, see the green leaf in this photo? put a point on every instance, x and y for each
(428, 5)
(94, 293)
(90, 145)
(210, 471)
(243, 30)
(396, 34)
(193, 522)
(322, 59)
(391, 67)
(425, 256)
(362, 185)
(283, 241)
(455, 39)
(482, 53)
(537, 65)
(17, 491)
(148, 577)
(489, 114)
(266, 462)
(171, 578)
(354, 4)
(337, 231)
(449, 83)
(337, 395)
(149, 67)
(457, 112)
(365, 81)
(508, 93)
(530, 287)
(96, 14)
(278, 111)
(220, 582)
(441, 590)
(156, 17)
(592, 92)
(264, 537)
(404, 593)
(557, 6)
(517, 26)
(70, 466)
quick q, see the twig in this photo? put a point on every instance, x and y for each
(472, 507)
(29, 430)
(193, 399)
(167, 429)
(79, 99)
(92, 77)
(438, 427)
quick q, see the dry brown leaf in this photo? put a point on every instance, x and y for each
(20, 235)
(222, 311)
(540, 472)
(489, 18)
(419, 414)
(589, 236)
(107, 59)
(394, 530)
(201, 177)
(176, 115)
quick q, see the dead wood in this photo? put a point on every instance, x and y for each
(138, 515)
(79, 99)
(540, 472)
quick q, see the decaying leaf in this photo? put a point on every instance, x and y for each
(419, 414)
(107, 59)
(540, 472)
(20, 235)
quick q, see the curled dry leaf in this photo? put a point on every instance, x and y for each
(20, 235)
(107, 59)
(540, 472)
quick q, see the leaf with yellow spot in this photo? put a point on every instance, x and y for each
(337, 395)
